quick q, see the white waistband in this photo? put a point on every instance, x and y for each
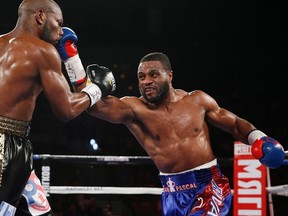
(203, 166)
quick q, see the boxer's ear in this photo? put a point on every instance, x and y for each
(40, 17)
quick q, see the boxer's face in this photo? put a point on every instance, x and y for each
(153, 80)
(52, 29)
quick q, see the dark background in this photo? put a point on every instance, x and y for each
(234, 50)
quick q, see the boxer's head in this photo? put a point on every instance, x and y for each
(41, 18)
(154, 77)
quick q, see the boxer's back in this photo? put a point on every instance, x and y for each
(19, 85)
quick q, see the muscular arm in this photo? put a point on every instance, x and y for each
(65, 104)
(113, 109)
(221, 118)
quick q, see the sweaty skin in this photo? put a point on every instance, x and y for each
(173, 129)
(30, 64)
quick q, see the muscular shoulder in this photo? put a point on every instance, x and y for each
(201, 98)
(28, 51)
(42, 48)
(30, 46)
(44, 53)
(197, 95)
(136, 104)
(131, 100)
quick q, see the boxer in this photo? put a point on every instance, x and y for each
(172, 127)
(30, 65)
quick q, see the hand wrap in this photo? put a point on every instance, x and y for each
(94, 93)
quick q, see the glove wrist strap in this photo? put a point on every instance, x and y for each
(254, 135)
(94, 93)
(75, 70)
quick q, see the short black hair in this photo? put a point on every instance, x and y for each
(158, 56)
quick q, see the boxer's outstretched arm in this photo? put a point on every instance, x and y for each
(268, 150)
(224, 119)
(114, 110)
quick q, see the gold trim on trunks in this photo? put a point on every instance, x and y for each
(14, 127)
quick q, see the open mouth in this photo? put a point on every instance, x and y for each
(149, 90)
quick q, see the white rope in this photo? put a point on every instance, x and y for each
(100, 158)
(95, 158)
(281, 190)
(104, 190)
(104, 159)
(276, 190)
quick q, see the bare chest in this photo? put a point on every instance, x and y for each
(174, 121)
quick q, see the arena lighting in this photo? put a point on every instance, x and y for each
(94, 144)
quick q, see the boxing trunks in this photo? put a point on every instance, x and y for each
(202, 191)
(17, 177)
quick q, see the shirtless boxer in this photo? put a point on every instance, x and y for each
(29, 65)
(172, 126)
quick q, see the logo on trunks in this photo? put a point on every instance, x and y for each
(217, 199)
(172, 187)
(35, 197)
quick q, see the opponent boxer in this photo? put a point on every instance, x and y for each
(29, 65)
(172, 126)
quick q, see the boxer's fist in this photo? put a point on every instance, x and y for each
(69, 55)
(66, 45)
(102, 77)
(269, 151)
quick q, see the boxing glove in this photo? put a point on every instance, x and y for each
(69, 55)
(102, 77)
(266, 149)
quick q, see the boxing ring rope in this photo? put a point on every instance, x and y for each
(104, 190)
(96, 159)
(276, 190)
(281, 190)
